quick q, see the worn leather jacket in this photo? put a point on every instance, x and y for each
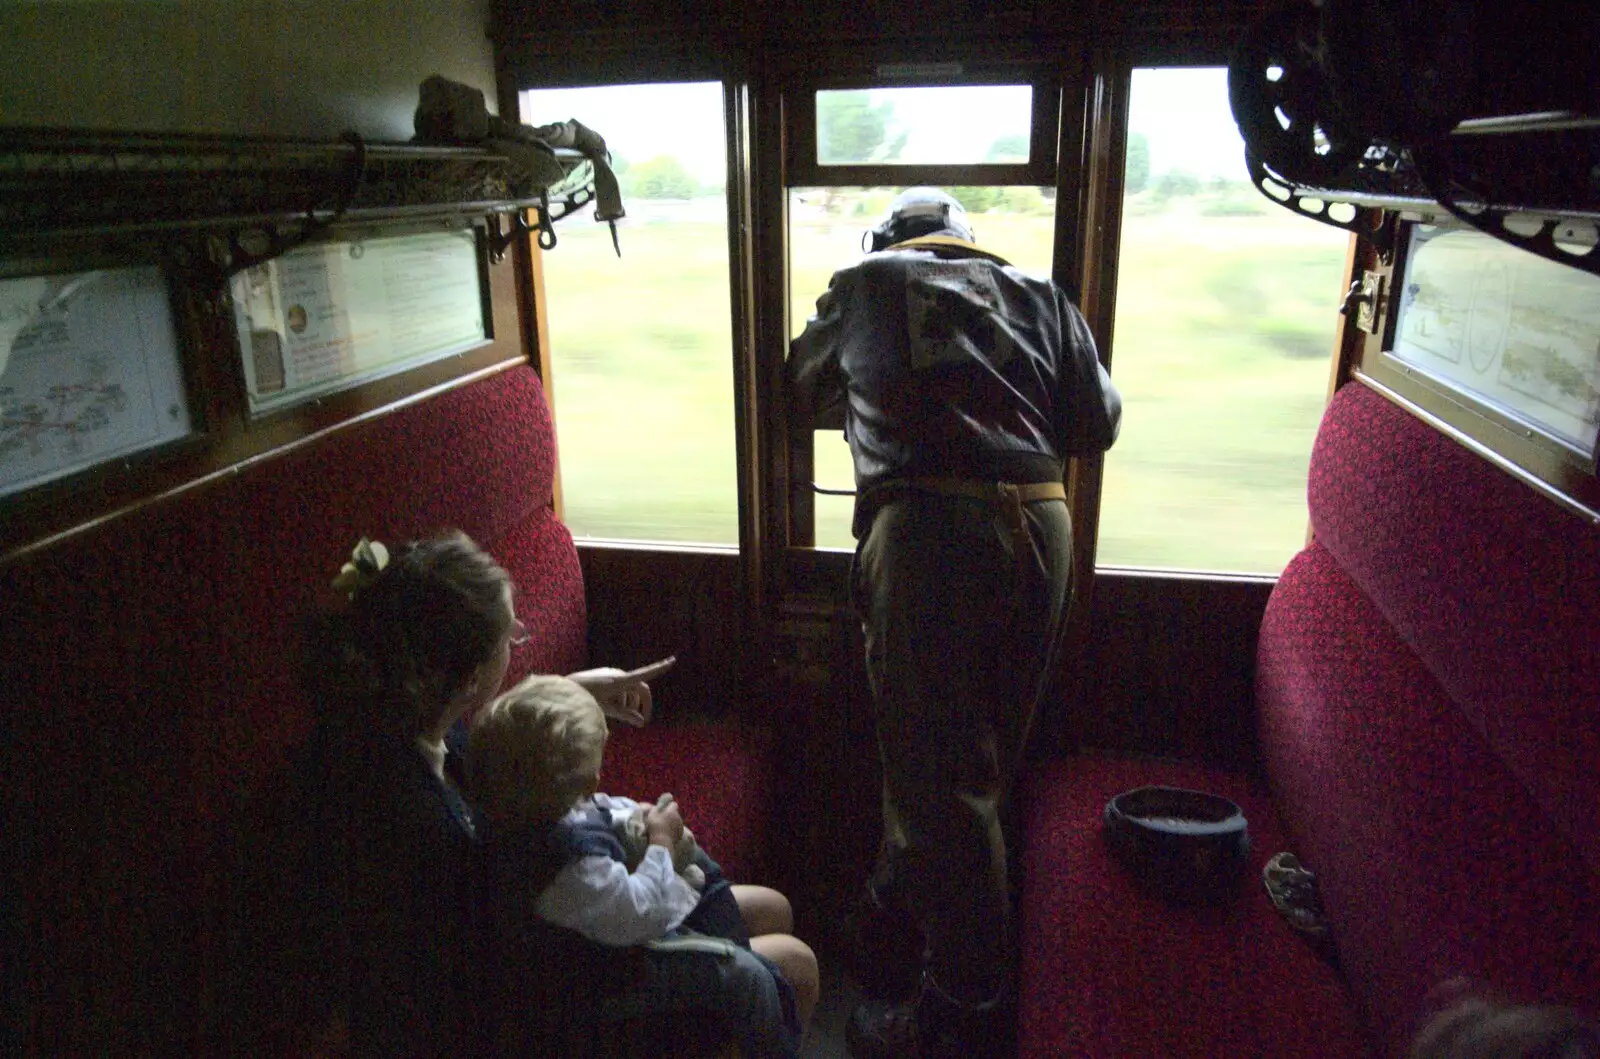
(949, 362)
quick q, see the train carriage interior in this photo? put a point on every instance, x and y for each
(277, 276)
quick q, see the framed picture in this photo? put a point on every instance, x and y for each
(337, 314)
(91, 372)
(1503, 328)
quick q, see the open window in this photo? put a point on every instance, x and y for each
(640, 376)
(986, 135)
(1226, 324)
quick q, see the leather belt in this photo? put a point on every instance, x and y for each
(1009, 496)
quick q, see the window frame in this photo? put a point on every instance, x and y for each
(1057, 142)
(803, 170)
(225, 434)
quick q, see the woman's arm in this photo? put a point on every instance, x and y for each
(603, 901)
(623, 695)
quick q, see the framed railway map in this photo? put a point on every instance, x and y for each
(333, 315)
(1504, 327)
(90, 372)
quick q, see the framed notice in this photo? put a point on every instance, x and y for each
(333, 315)
(90, 371)
(1506, 328)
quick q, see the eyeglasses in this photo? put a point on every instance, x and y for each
(519, 633)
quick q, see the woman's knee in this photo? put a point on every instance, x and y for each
(764, 910)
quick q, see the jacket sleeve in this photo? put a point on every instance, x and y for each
(1088, 406)
(816, 385)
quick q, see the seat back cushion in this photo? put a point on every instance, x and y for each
(1492, 586)
(1436, 861)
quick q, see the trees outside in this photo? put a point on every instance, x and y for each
(1013, 148)
(851, 129)
(1176, 182)
(661, 177)
(1136, 175)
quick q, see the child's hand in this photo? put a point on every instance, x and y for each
(663, 824)
(624, 695)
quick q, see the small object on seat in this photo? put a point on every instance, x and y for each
(1293, 891)
(1187, 846)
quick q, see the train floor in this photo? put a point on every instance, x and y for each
(825, 1036)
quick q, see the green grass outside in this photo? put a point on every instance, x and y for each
(1223, 336)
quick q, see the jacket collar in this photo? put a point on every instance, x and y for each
(947, 246)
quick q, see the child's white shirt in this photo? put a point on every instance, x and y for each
(600, 899)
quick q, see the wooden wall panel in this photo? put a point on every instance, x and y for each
(1168, 670)
(646, 603)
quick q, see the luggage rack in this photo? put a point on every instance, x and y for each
(227, 203)
(1336, 127)
(1480, 176)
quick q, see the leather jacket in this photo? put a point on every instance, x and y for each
(949, 362)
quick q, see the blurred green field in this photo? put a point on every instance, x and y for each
(1221, 350)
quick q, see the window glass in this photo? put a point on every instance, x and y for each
(956, 125)
(1226, 313)
(90, 371)
(641, 346)
(331, 315)
(826, 230)
(1505, 326)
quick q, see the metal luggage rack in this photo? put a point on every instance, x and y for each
(251, 198)
(1532, 182)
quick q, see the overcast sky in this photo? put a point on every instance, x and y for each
(1183, 112)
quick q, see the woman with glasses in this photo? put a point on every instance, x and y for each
(378, 946)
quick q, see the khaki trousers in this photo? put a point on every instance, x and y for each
(962, 615)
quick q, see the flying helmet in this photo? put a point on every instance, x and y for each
(917, 212)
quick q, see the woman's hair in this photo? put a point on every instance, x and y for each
(417, 627)
(1482, 1029)
(534, 752)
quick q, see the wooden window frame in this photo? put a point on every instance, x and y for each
(1062, 155)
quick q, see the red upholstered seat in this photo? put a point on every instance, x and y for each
(1435, 861)
(1427, 688)
(1428, 684)
(1110, 972)
(159, 669)
(1491, 584)
(720, 774)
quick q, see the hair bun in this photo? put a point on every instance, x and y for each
(367, 561)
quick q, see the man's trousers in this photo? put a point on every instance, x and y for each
(960, 640)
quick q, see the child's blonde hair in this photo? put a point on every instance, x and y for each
(535, 751)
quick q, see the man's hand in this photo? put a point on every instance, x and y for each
(624, 695)
(664, 825)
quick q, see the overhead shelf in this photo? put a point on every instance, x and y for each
(59, 185)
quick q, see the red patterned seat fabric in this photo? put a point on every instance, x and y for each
(159, 664)
(1491, 584)
(1427, 681)
(1111, 972)
(1434, 860)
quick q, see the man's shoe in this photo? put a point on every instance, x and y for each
(886, 950)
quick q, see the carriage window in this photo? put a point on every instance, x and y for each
(641, 359)
(1225, 325)
(826, 226)
(953, 125)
